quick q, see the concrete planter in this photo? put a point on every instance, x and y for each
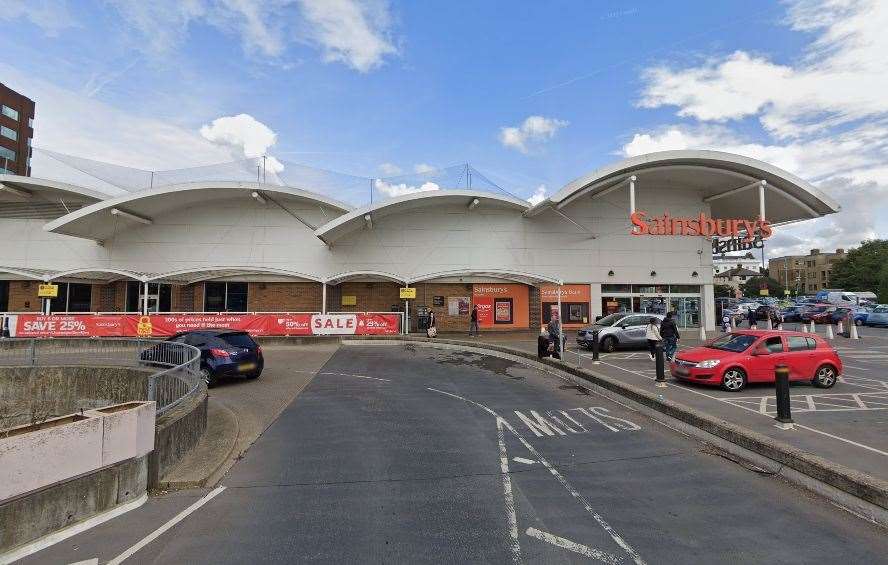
(38, 455)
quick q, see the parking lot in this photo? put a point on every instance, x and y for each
(847, 423)
(410, 454)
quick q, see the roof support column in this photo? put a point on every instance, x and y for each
(632, 180)
(324, 297)
(761, 187)
(145, 299)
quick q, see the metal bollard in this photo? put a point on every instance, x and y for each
(661, 366)
(781, 383)
(829, 332)
(595, 347)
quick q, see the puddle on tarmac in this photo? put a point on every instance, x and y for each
(504, 367)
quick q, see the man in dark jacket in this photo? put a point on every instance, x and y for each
(670, 335)
(473, 322)
(753, 318)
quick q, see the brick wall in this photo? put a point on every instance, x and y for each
(370, 296)
(103, 297)
(535, 313)
(425, 293)
(23, 296)
(284, 297)
(197, 297)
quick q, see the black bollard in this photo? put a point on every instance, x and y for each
(595, 346)
(661, 365)
(781, 381)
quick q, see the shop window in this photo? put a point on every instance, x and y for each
(73, 297)
(612, 304)
(571, 312)
(616, 288)
(159, 297)
(686, 288)
(650, 289)
(225, 297)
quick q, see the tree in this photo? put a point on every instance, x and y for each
(883, 285)
(753, 285)
(723, 291)
(861, 268)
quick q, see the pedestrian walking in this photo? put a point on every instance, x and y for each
(473, 322)
(652, 334)
(432, 330)
(669, 333)
(554, 329)
(752, 318)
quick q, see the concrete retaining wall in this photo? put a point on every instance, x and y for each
(178, 430)
(28, 518)
(33, 394)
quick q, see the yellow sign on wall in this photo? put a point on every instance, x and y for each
(408, 293)
(349, 300)
(764, 292)
(48, 291)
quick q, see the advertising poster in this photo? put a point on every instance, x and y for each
(574, 303)
(507, 304)
(502, 311)
(458, 306)
(485, 311)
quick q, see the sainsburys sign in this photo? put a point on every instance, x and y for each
(701, 225)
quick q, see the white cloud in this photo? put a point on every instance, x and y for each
(52, 16)
(245, 133)
(423, 168)
(842, 78)
(538, 195)
(355, 33)
(534, 130)
(390, 169)
(402, 189)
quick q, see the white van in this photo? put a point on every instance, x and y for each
(842, 298)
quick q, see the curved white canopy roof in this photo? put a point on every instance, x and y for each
(354, 220)
(725, 180)
(91, 222)
(43, 189)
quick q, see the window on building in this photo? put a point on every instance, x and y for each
(10, 112)
(7, 154)
(606, 288)
(684, 288)
(4, 296)
(159, 297)
(225, 297)
(73, 297)
(9, 133)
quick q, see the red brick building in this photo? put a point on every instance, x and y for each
(16, 132)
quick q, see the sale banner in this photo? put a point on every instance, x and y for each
(334, 324)
(38, 325)
(378, 324)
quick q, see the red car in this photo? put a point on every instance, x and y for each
(741, 357)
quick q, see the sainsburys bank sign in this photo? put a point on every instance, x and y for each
(745, 231)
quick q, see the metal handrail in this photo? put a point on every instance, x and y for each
(178, 378)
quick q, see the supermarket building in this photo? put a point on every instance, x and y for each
(634, 235)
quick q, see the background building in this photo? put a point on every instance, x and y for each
(16, 132)
(724, 262)
(805, 274)
(735, 278)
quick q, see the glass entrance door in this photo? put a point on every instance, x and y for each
(687, 311)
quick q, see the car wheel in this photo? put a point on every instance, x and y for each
(825, 377)
(609, 344)
(208, 377)
(734, 380)
(253, 376)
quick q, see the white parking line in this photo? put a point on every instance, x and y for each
(160, 531)
(573, 546)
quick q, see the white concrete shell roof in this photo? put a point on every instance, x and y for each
(724, 179)
(25, 188)
(91, 222)
(354, 220)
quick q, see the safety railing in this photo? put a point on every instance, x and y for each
(175, 379)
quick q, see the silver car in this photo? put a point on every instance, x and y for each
(878, 317)
(623, 329)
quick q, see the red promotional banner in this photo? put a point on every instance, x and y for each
(485, 310)
(165, 325)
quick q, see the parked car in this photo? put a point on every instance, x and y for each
(814, 310)
(861, 315)
(765, 312)
(224, 353)
(622, 329)
(751, 356)
(878, 317)
(794, 313)
(824, 317)
(841, 313)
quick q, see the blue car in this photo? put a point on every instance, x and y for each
(878, 317)
(860, 316)
(224, 353)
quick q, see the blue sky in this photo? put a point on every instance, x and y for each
(534, 94)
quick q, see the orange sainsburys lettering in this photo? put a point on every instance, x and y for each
(700, 226)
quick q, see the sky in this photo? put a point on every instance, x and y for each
(532, 94)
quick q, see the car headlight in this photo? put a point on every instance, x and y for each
(708, 364)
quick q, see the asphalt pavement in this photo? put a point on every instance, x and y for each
(403, 453)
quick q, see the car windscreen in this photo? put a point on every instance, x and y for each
(609, 320)
(880, 311)
(239, 339)
(733, 342)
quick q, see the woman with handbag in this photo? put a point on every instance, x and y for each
(432, 330)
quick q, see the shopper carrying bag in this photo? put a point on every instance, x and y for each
(432, 331)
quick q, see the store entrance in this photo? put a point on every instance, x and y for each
(687, 311)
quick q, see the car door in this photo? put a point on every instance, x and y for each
(801, 357)
(633, 330)
(771, 352)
